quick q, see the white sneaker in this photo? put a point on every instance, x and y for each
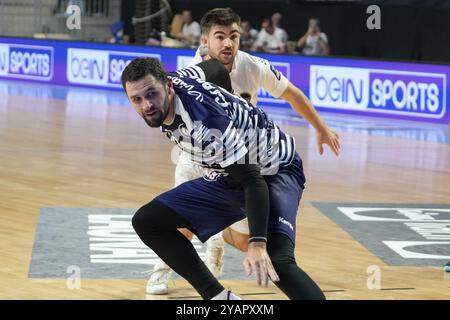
(158, 283)
(214, 254)
(226, 295)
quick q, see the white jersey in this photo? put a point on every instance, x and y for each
(249, 73)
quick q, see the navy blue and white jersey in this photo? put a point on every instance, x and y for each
(217, 128)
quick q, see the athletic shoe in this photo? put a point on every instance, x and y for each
(158, 283)
(226, 295)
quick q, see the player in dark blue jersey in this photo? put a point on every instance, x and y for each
(251, 170)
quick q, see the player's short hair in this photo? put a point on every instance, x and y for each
(219, 16)
(141, 67)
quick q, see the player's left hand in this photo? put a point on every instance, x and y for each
(257, 261)
(329, 137)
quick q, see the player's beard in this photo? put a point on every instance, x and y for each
(226, 59)
(160, 115)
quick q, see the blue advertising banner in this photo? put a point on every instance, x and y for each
(400, 90)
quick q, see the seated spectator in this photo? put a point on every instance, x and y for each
(248, 36)
(191, 32)
(276, 21)
(269, 39)
(313, 41)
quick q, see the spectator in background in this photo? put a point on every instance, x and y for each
(269, 39)
(248, 36)
(276, 21)
(190, 34)
(314, 42)
(117, 32)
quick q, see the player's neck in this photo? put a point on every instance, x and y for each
(229, 67)
(171, 114)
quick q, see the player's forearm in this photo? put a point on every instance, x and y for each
(257, 202)
(303, 106)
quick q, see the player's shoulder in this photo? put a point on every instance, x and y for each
(245, 59)
(187, 74)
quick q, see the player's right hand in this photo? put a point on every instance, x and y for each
(257, 261)
(329, 137)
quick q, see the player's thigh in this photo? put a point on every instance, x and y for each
(209, 206)
(285, 192)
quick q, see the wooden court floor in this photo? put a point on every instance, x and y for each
(55, 153)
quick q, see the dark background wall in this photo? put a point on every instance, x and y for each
(410, 29)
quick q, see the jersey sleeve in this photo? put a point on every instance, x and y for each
(194, 72)
(273, 80)
(219, 140)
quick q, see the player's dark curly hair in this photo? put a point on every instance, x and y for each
(219, 16)
(141, 67)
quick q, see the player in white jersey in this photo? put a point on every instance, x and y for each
(220, 40)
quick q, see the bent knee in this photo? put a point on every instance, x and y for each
(144, 217)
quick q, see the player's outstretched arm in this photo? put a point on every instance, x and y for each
(301, 104)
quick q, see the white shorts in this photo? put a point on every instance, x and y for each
(187, 170)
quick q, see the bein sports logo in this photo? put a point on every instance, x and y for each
(26, 62)
(99, 67)
(373, 90)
